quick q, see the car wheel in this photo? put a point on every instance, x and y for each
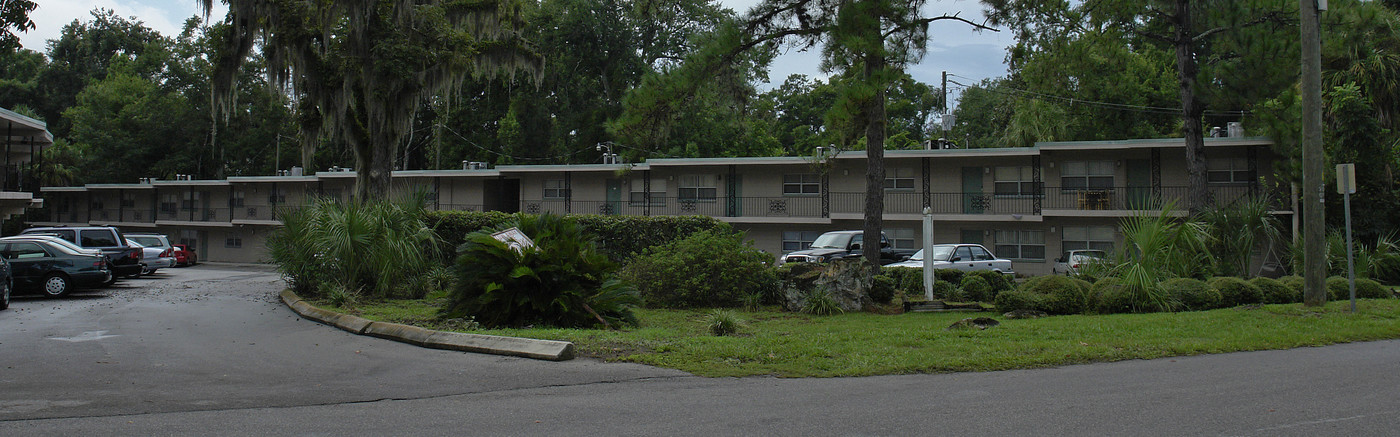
(110, 281)
(56, 285)
(5, 296)
(146, 270)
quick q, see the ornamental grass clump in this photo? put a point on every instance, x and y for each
(562, 281)
(723, 322)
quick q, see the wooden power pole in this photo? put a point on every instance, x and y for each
(1314, 230)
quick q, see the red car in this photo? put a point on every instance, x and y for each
(185, 256)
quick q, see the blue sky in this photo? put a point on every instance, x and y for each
(952, 46)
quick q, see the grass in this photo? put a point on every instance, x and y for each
(861, 344)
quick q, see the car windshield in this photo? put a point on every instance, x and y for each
(1089, 254)
(133, 243)
(146, 241)
(831, 241)
(940, 253)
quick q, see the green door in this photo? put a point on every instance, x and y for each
(973, 200)
(1139, 195)
(614, 203)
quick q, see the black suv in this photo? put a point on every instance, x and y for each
(125, 260)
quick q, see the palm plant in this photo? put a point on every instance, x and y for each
(1156, 248)
(371, 246)
(1237, 229)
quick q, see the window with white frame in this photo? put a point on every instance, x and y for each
(1087, 237)
(1228, 171)
(899, 179)
(1086, 175)
(1021, 244)
(234, 241)
(799, 240)
(902, 238)
(554, 189)
(191, 200)
(169, 202)
(802, 183)
(235, 199)
(1013, 181)
(699, 188)
(638, 192)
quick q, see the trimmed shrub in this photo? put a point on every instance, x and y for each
(1192, 294)
(976, 289)
(946, 291)
(951, 275)
(1061, 295)
(563, 281)
(1338, 289)
(998, 281)
(619, 237)
(1274, 291)
(1113, 297)
(1295, 283)
(910, 280)
(1235, 291)
(1369, 289)
(705, 269)
(882, 289)
(1008, 301)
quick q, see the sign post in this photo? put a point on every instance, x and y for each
(1346, 184)
(929, 277)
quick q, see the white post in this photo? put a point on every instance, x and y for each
(929, 277)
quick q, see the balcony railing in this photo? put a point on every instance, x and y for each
(195, 215)
(806, 206)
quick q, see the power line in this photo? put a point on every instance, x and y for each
(1006, 90)
(513, 157)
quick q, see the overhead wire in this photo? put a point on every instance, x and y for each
(1006, 90)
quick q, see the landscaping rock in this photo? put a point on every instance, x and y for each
(1024, 314)
(848, 282)
(978, 323)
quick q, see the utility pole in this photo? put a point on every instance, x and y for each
(1314, 230)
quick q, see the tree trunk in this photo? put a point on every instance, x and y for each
(1198, 193)
(874, 117)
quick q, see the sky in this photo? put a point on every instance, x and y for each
(953, 46)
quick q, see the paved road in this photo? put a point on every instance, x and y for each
(207, 350)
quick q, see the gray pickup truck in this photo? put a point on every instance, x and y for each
(845, 244)
(125, 260)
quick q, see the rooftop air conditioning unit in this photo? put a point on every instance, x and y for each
(1236, 129)
(477, 165)
(147, 181)
(296, 171)
(184, 177)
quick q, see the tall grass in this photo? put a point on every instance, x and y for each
(375, 246)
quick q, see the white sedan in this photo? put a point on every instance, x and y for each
(965, 257)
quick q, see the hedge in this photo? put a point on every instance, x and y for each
(620, 237)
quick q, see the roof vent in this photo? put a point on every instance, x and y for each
(296, 171)
(147, 181)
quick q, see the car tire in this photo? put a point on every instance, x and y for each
(5, 296)
(145, 270)
(110, 281)
(56, 285)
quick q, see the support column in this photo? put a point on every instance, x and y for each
(1038, 196)
(568, 192)
(926, 163)
(646, 192)
(731, 192)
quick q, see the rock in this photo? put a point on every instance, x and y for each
(1025, 314)
(973, 323)
(848, 283)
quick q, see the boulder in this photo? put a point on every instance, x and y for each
(978, 323)
(848, 282)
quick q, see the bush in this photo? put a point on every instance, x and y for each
(976, 289)
(619, 237)
(1235, 291)
(1369, 289)
(947, 291)
(1008, 301)
(563, 281)
(372, 247)
(882, 289)
(820, 303)
(705, 269)
(1295, 283)
(1275, 291)
(723, 322)
(999, 282)
(1113, 296)
(1338, 289)
(1192, 294)
(1060, 294)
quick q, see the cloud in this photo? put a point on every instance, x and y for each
(165, 16)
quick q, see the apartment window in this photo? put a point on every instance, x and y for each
(902, 238)
(1013, 181)
(276, 196)
(554, 189)
(803, 183)
(169, 202)
(1021, 244)
(191, 200)
(638, 193)
(1087, 237)
(1087, 175)
(799, 240)
(98, 205)
(899, 179)
(234, 241)
(697, 188)
(1228, 171)
(235, 199)
(190, 238)
(128, 199)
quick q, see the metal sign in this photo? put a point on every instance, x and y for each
(515, 239)
(1346, 178)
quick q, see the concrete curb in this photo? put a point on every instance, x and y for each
(488, 344)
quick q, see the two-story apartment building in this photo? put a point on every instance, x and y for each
(1027, 204)
(25, 138)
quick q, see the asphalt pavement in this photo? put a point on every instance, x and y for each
(208, 350)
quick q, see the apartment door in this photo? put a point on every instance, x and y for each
(501, 195)
(973, 200)
(971, 236)
(1139, 195)
(614, 202)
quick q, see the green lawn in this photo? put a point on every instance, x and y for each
(859, 344)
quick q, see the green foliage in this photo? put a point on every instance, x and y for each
(1113, 297)
(1192, 294)
(723, 322)
(620, 237)
(1235, 291)
(1161, 246)
(998, 282)
(371, 246)
(1275, 291)
(820, 303)
(1060, 294)
(1296, 284)
(338, 295)
(1238, 229)
(947, 291)
(882, 289)
(976, 289)
(563, 281)
(1013, 300)
(1338, 289)
(705, 269)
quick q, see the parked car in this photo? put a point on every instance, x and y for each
(1070, 262)
(125, 260)
(53, 269)
(6, 281)
(54, 240)
(185, 255)
(966, 257)
(845, 244)
(153, 258)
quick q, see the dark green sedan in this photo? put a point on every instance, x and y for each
(52, 269)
